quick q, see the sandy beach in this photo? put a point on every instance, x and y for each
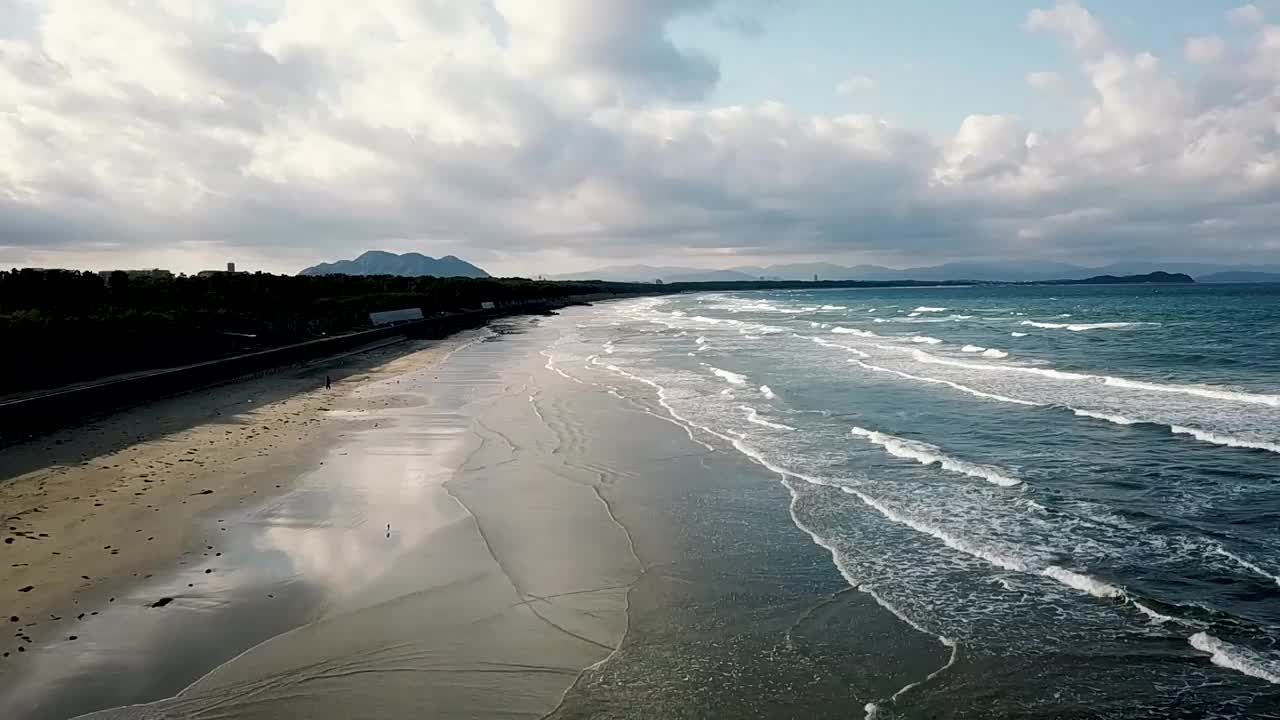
(459, 530)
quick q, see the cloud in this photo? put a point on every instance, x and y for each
(856, 85)
(1071, 21)
(1246, 15)
(533, 137)
(1204, 49)
(1045, 81)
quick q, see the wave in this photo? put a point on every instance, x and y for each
(676, 418)
(767, 392)
(925, 340)
(1225, 440)
(1246, 564)
(1017, 334)
(1083, 583)
(1231, 657)
(972, 349)
(1117, 419)
(732, 378)
(927, 454)
(1156, 617)
(852, 331)
(926, 308)
(1194, 390)
(976, 550)
(954, 385)
(1082, 327)
(753, 416)
(828, 343)
(994, 353)
(833, 307)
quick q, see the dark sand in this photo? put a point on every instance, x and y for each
(487, 538)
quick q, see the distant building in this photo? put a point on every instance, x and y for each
(231, 270)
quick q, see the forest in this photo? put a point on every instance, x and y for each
(64, 326)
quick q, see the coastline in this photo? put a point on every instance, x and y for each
(92, 509)
(477, 535)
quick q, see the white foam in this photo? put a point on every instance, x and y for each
(702, 340)
(1156, 618)
(927, 454)
(994, 353)
(1017, 334)
(828, 343)
(852, 331)
(727, 392)
(972, 349)
(926, 308)
(732, 378)
(1117, 419)
(551, 365)
(954, 385)
(1081, 327)
(1246, 564)
(914, 314)
(767, 392)
(959, 544)
(1083, 583)
(1194, 390)
(753, 416)
(833, 307)
(1226, 440)
(925, 340)
(1231, 657)
(676, 418)
(608, 348)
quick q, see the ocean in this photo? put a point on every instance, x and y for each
(1067, 494)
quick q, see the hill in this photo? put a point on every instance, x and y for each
(379, 262)
(1154, 277)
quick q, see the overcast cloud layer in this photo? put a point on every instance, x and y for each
(562, 134)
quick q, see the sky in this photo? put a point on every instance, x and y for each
(543, 136)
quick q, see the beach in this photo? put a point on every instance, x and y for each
(663, 507)
(456, 528)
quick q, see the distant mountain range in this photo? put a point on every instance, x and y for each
(997, 271)
(379, 262)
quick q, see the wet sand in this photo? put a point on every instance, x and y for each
(485, 536)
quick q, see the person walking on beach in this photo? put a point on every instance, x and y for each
(327, 382)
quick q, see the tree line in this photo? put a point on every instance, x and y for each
(63, 326)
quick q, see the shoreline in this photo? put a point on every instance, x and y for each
(483, 535)
(95, 509)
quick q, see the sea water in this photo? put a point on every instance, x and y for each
(1073, 490)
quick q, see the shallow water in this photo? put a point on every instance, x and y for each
(1075, 488)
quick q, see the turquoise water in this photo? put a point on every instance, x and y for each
(1071, 490)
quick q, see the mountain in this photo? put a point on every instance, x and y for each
(1241, 276)
(379, 262)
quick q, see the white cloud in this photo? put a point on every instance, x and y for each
(1246, 15)
(856, 85)
(511, 132)
(1045, 81)
(1204, 49)
(1071, 21)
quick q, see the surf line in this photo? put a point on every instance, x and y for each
(786, 477)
